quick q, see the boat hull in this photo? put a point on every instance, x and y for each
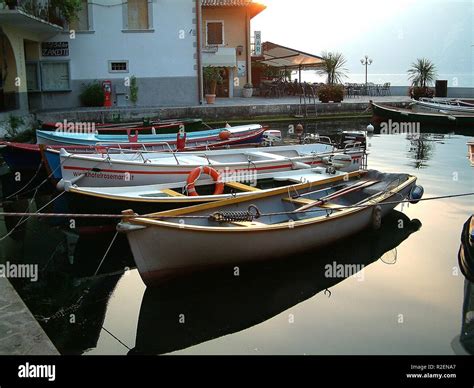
(103, 173)
(177, 250)
(382, 112)
(92, 139)
(466, 251)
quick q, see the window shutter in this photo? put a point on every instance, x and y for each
(215, 33)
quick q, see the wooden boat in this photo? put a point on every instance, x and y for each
(441, 106)
(153, 198)
(76, 138)
(139, 168)
(256, 296)
(144, 126)
(262, 226)
(24, 156)
(470, 152)
(383, 112)
(466, 251)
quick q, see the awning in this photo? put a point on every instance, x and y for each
(254, 8)
(284, 57)
(220, 57)
(21, 20)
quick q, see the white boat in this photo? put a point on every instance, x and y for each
(442, 106)
(268, 225)
(152, 198)
(92, 138)
(142, 168)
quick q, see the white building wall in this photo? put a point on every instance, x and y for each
(163, 59)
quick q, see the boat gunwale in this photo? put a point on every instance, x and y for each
(147, 222)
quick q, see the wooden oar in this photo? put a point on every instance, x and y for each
(337, 194)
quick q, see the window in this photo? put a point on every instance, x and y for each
(32, 77)
(82, 22)
(138, 15)
(214, 33)
(55, 76)
(118, 66)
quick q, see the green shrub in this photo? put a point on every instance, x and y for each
(92, 95)
(333, 93)
(133, 90)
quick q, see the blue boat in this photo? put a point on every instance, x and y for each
(88, 139)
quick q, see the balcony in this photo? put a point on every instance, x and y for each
(219, 56)
(35, 16)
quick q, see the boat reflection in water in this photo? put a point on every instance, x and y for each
(466, 263)
(218, 303)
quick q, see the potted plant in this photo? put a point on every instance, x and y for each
(334, 93)
(421, 73)
(212, 77)
(417, 92)
(247, 92)
(333, 68)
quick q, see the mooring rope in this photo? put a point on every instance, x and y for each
(25, 186)
(106, 253)
(157, 216)
(28, 215)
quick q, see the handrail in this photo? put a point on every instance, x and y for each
(357, 144)
(140, 152)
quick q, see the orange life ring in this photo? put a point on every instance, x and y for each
(194, 176)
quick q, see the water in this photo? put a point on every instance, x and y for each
(408, 302)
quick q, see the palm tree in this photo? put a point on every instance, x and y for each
(333, 67)
(422, 72)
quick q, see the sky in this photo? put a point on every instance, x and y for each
(393, 33)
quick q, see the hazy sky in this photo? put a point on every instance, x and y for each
(392, 32)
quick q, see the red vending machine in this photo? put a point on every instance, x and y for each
(107, 87)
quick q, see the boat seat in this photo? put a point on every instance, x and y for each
(248, 223)
(265, 155)
(241, 186)
(298, 201)
(172, 193)
(330, 206)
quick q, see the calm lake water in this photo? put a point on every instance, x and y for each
(408, 298)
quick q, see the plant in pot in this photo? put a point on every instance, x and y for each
(247, 92)
(332, 67)
(212, 76)
(334, 93)
(421, 73)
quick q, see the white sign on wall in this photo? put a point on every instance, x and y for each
(242, 68)
(258, 43)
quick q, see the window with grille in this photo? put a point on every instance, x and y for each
(118, 66)
(214, 33)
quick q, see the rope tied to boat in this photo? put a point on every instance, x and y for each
(236, 216)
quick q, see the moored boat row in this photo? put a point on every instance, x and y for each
(215, 185)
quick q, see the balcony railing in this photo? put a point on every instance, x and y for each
(41, 9)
